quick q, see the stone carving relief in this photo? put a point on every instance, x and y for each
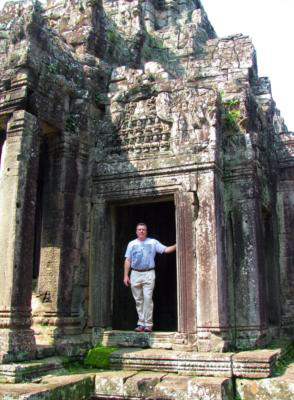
(164, 123)
(141, 131)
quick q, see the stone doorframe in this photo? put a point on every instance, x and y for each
(203, 320)
(103, 230)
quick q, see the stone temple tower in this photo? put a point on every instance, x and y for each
(114, 112)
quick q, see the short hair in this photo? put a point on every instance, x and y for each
(141, 224)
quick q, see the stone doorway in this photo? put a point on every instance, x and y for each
(160, 219)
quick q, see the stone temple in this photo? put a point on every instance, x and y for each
(114, 112)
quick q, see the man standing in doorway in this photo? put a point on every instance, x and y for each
(139, 258)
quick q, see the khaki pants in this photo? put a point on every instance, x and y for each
(142, 285)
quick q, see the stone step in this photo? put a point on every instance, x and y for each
(157, 385)
(120, 385)
(154, 340)
(70, 387)
(279, 388)
(132, 385)
(193, 363)
(30, 370)
(251, 364)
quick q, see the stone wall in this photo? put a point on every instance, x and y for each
(105, 103)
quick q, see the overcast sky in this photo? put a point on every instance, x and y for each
(270, 24)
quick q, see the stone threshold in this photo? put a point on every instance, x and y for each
(155, 340)
(248, 364)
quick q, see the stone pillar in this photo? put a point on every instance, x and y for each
(212, 312)
(248, 293)
(285, 212)
(249, 277)
(60, 247)
(186, 211)
(18, 181)
(101, 269)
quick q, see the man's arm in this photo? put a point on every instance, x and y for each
(170, 249)
(127, 267)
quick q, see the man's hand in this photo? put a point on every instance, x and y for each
(127, 281)
(127, 267)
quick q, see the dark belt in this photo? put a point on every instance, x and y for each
(142, 270)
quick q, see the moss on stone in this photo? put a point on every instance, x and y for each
(284, 361)
(99, 357)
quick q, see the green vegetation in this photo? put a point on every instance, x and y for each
(232, 113)
(151, 77)
(231, 119)
(155, 42)
(53, 68)
(98, 357)
(113, 37)
(95, 358)
(71, 123)
(73, 367)
(97, 98)
(284, 361)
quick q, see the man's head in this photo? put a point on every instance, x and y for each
(141, 231)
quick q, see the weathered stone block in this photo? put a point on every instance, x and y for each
(112, 382)
(254, 364)
(142, 384)
(190, 363)
(74, 387)
(280, 388)
(172, 387)
(210, 389)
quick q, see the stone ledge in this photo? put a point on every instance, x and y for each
(27, 371)
(251, 364)
(155, 340)
(72, 387)
(127, 383)
(155, 385)
(201, 364)
(279, 388)
(254, 364)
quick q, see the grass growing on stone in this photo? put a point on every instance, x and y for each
(284, 361)
(98, 357)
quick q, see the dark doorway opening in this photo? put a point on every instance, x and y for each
(160, 219)
(2, 141)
